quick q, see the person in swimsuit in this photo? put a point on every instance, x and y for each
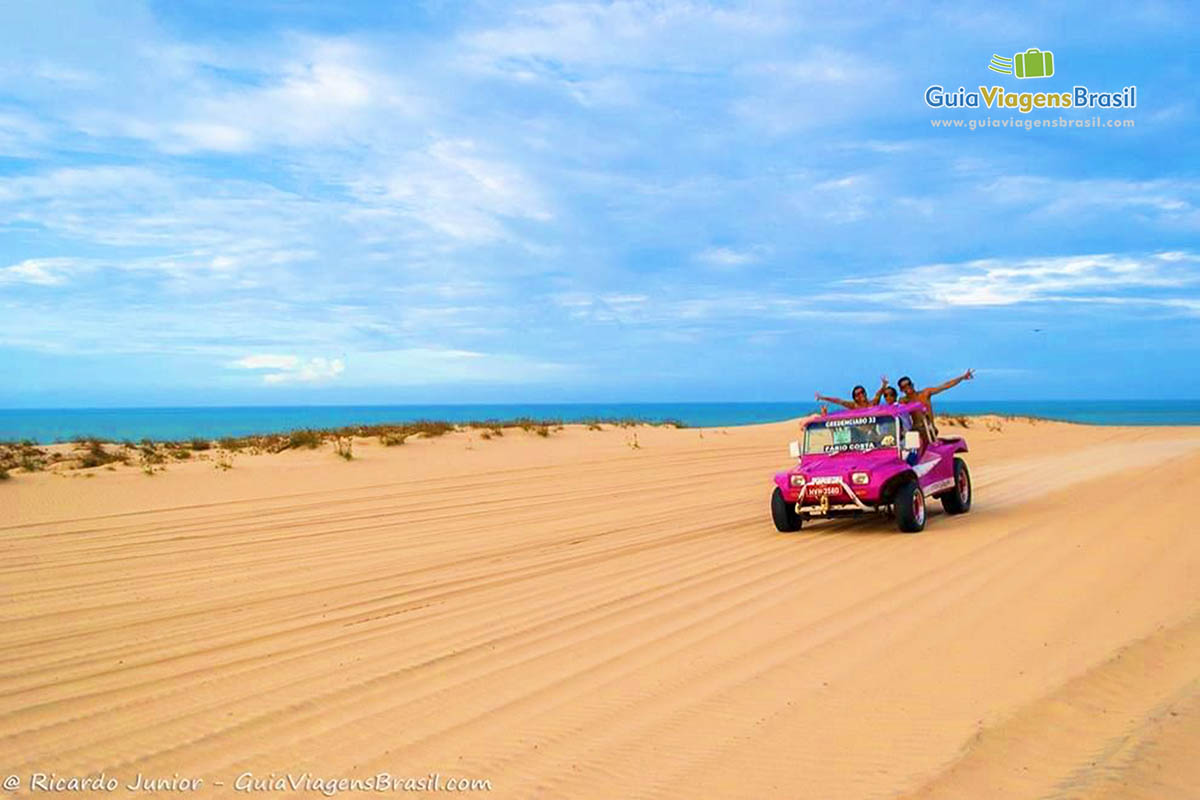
(923, 396)
(859, 393)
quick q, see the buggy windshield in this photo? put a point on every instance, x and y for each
(851, 433)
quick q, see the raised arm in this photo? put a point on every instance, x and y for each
(950, 384)
(879, 391)
(838, 400)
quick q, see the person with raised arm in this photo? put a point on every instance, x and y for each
(859, 393)
(922, 396)
(884, 391)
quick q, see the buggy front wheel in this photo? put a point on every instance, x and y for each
(784, 513)
(909, 505)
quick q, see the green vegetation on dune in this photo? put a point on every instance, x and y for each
(92, 451)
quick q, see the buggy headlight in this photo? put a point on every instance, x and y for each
(860, 478)
(797, 480)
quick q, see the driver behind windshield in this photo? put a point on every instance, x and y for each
(844, 434)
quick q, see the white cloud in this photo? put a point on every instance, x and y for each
(824, 87)
(849, 198)
(627, 34)
(823, 66)
(411, 366)
(175, 224)
(1169, 200)
(184, 137)
(311, 371)
(292, 369)
(312, 92)
(880, 146)
(61, 73)
(458, 191)
(268, 361)
(423, 366)
(41, 271)
(728, 256)
(1005, 282)
(624, 299)
(674, 305)
(21, 135)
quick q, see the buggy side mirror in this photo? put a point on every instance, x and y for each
(912, 440)
(794, 449)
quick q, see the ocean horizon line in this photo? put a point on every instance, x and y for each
(449, 404)
(176, 423)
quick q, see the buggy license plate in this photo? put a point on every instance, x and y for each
(816, 492)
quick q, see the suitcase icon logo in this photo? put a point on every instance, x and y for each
(1033, 63)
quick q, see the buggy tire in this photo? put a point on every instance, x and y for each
(909, 505)
(784, 513)
(958, 499)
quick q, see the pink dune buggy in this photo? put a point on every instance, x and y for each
(882, 459)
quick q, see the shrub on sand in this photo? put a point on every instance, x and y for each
(96, 456)
(430, 427)
(149, 453)
(304, 438)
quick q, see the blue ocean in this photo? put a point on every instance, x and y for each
(51, 425)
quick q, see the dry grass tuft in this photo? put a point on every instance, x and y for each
(149, 453)
(93, 452)
(307, 437)
(95, 455)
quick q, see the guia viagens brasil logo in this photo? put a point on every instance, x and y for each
(1029, 64)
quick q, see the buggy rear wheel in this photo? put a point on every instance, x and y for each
(958, 499)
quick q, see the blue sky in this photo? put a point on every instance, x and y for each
(222, 203)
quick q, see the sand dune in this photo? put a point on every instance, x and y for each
(576, 617)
